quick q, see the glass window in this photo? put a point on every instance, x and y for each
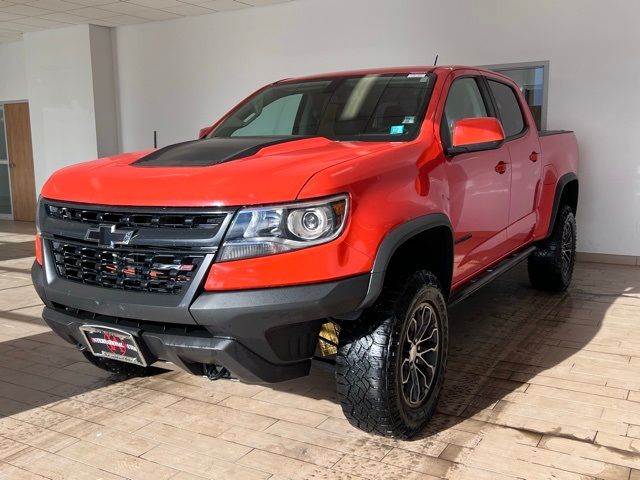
(508, 108)
(276, 119)
(5, 195)
(530, 78)
(464, 101)
(374, 107)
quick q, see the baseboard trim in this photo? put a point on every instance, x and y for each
(629, 260)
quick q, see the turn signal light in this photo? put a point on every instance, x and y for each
(38, 249)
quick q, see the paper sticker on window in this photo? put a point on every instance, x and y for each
(409, 120)
(397, 130)
(416, 75)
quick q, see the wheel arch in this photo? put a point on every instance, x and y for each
(422, 243)
(567, 190)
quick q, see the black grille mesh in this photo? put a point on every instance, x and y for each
(136, 219)
(137, 270)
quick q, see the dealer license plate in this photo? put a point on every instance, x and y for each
(113, 344)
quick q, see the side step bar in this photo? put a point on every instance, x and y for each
(494, 272)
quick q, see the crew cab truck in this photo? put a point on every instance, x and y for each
(368, 199)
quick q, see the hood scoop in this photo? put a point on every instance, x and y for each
(210, 151)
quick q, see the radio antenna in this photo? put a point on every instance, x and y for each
(435, 62)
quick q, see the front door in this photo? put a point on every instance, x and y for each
(20, 161)
(479, 184)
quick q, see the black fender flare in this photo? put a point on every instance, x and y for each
(563, 181)
(392, 241)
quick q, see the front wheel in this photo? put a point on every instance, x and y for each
(391, 363)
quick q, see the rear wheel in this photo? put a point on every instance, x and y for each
(391, 364)
(116, 367)
(551, 265)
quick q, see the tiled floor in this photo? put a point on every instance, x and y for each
(539, 386)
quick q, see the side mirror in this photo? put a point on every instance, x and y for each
(473, 134)
(204, 132)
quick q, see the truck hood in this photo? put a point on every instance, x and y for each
(201, 173)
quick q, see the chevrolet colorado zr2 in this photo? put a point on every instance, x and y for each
(366, 201)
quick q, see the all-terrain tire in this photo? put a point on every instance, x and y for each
(372, 360)
(551, 265)
(119, 368)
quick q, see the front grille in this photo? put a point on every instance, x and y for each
(137, 219)
(125, 269)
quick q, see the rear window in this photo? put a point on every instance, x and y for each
(508, 108)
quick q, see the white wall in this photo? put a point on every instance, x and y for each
(177, 76)
(13, 83)
(59, 79)
(63, 100)
(104, 90)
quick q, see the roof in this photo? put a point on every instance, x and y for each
(384, 71)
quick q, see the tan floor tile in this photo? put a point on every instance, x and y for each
(361, 447)
(374, 470)
(534, 424)
(199, 423)
(9, 472)
(281, 412)
(92, 413)
(9, 447)
(495, 462)
(573, 386)
(106, 436)
(596, 452)
(34, 436)
(291, 469)
(117, 463)
(55, 467)
(562, 461)
(430, 466)
(202, 465)
(194, 441)
(183, 390)
(223, 414)
(286, 447)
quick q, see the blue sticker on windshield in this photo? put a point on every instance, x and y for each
(397, 130)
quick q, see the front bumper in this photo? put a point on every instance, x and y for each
(262, 335)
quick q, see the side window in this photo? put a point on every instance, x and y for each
(508, 108)
(276, 118)
(464, 101)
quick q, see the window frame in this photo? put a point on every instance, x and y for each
(544, 64)
(525, 119)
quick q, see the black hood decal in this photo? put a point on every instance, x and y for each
(210, 151)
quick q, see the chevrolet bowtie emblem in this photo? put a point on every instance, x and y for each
(109, 236)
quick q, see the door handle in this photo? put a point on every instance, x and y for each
(533, 157)
(501, 167)
(12, 165)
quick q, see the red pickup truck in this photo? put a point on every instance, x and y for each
(367, 200)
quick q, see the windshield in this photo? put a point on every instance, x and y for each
(370, 107)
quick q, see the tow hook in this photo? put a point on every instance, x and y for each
(215, 372)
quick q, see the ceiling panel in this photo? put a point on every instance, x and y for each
(20, 16)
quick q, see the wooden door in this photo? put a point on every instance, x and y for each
(23, 188)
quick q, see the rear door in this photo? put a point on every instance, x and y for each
(524, 151)
(479, 182)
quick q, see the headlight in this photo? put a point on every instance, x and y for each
(260, 231)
